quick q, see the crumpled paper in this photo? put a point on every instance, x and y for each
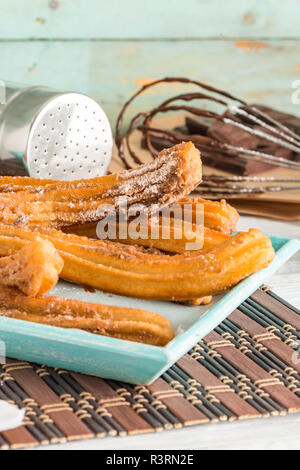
(10, 416)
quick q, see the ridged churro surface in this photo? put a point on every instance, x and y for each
(118, 322)
(174, 237)
(217, 221)
(174, 174)
(127, 270)
(218, 215)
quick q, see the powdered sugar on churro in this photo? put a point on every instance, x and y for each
(171, 176)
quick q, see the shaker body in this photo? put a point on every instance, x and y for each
(50, 134)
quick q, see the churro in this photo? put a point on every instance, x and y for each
(178, 240)
(218, 220)
(218, 215)
(173, 175)
(34, 269)
(118, 322)
(172, 238)
(130, 271)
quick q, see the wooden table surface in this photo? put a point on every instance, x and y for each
(281, 432)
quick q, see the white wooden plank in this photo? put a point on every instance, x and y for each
(263, 434)
(110, 71)
(148, 19)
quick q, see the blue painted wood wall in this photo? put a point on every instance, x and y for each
(108, 48)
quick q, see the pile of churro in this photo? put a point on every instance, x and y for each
(49, 230)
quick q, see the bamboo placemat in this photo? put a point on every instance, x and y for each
(248, 367)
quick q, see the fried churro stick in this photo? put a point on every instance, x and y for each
(130, 271)
(34, 269)
(179, 241)
(172, 240)
(219, 219)
(218, 215)
(174, 174)
(21, 255)
(118, 322)
(10, 184)
(181, 279)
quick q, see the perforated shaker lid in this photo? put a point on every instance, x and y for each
(70, 138)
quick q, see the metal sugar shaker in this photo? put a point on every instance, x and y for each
(51, 134)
